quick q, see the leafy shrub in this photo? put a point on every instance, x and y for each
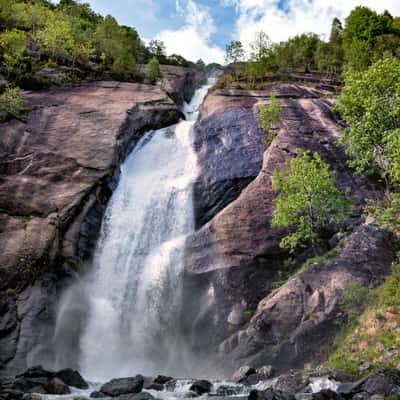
(354, 300)
(269, 118)
(307, 200)
(11, 104)
(153, 71)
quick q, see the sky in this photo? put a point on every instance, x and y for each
(200, 28)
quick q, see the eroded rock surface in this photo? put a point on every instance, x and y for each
(234, 257)
(55, 176)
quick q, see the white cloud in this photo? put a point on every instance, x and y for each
(298, 16)
(192, 41)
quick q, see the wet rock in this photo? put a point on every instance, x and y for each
(267, 371)
(291, 383)
(72, 378)
(31, 396)
(117, 387)
(162, 379)
(36, 372)
(226, 390)
(155, 386)
(137, 396)
(201, 387)
(326, 394)
(270, 394)
(80, 398)
(56, 386)
(384, 383)
(67, 150)
(11, 395)
(97, 395)
(242, 373)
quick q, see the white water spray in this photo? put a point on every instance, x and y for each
(135, 288)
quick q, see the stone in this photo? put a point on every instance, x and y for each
(155, 386)
(364, 366)
(226, 390)
(326, 394)
(267, 371)
(162, 379)
(56, 386)
(117, 387)
(292, 383)
(242, 373)
(201, 387)
(270, 394)
(137, 396)
(72, 378)
(97, 395)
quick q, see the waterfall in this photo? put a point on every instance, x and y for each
(135, 285)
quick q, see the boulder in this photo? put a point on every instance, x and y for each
(162, 379)
(155, 386)
(137, 396)
(56, 386)
(242, 373)
(201, 387)
(72, 378)
(270, 394)
(97, 395)
(226, 390)
(293, 382)
(326, 394)
(117, 387)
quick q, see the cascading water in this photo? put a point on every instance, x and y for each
(134, 288)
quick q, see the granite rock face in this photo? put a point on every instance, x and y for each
(234, 258)
(57, 172)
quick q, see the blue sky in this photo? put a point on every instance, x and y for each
(201, 28)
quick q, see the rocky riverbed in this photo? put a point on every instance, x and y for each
(246, 383)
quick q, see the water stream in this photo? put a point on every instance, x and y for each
(135, 286)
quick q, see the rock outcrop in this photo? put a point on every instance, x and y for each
(57, 172)
(297, 322)
(234, 258)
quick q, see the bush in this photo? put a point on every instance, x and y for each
(269, 118)
(153, 72)
(11, 104)
(354, 300)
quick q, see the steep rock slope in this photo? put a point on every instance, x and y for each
(56, 175)
(234, 258)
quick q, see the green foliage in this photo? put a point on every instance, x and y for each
(307, 200)
(368, 37)
(373, 331)
(56, 37)
(234, 52)
(11, 104)
(387, 214)
(370, 104)
(354, 300)
(269, 118)
(317, 259)
(13, 48)
(153, 71)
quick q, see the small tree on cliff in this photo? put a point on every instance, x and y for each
(153, 72)
(269, 118)
(307, 200)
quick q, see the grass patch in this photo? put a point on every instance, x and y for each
(315, 260)
(373, 337)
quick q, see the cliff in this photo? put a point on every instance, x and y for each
(57, 171)
(233, 260)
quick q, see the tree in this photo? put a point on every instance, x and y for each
(234, 52)
(153, 71)
(56, 37)
(269, 117)
(13, 48)
(370, 104)
(307, 200)
(157, 48)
